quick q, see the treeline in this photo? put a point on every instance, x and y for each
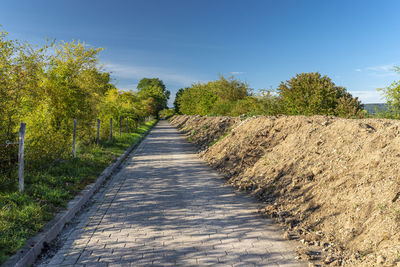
(304, 94)
(49, 86)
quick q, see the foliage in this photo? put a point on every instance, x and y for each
(153, 89)
(392, 96)
(263, 103)
(311, 93)
(165, 114)
(305, 94)
(177, 101)
(48, 87)
(212, 98)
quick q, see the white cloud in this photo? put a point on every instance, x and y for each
(385, 68)
(138, 72)
(368, 96)
(380, 70)
(237, 72)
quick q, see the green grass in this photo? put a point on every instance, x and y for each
(222, 137)
(48, 190)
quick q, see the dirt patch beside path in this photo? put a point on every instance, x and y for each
(335, 183)
(204, 131)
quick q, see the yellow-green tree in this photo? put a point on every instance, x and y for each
(153, 88)
(392, 96)
(311, 93)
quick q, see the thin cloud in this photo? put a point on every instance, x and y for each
(237, 72)
(382, 68)
(138, 72)
(368, 96)
(386, 70)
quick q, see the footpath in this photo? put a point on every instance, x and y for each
(166, 207)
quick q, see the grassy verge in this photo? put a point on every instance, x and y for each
(49, 189)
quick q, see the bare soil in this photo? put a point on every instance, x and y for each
(334, 183)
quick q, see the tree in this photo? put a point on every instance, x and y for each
(176, 101)
(212, 98)
(312, 93)
(21, 72)
(154, 88)
(392, 96)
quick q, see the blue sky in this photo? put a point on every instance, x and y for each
(355, 42)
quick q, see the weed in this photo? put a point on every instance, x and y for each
(382, 207)
(222, 137)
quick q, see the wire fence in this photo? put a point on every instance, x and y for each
(12, 147)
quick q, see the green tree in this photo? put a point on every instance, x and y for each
(392, 96)
(154, 88)
(212, 98)
(74, 87)
(21, 73)
(312, 93)
(176, 101)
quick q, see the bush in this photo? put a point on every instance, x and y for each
(212, 98)
(311, 93)
(48, 88)
(165, 114)
(392, 96)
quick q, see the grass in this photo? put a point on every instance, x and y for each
(222, 137)
(49, 188)
(192, 135)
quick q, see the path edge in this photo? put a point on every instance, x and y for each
(28, 254)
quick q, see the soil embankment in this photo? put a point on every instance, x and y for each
(335, 183)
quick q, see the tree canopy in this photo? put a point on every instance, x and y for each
(48, 87)
(311, 93)
(154, 88)
(392, 96)
(304, 94)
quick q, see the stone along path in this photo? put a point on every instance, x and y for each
(166, 207)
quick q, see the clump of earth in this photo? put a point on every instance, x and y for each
(333, 183)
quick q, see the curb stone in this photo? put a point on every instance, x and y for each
(27, 255)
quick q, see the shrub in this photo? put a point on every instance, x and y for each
(392, 96)
(212, 98)
(165, 114)
(311, 93)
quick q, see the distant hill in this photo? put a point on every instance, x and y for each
(372, 108)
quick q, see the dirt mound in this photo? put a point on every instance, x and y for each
(334, 182)
(203, 131)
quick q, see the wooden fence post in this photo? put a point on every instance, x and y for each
(111, 122)
(74, 140)
(120, 126)
(98, 131)
(21, 156)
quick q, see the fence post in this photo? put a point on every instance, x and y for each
(73, 140)
(127, 125)
(111, 122)
(120, 122)
(98, 131)
(21, 156)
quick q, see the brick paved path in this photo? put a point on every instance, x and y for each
(167, 208)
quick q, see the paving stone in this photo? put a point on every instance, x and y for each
(166, 207)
